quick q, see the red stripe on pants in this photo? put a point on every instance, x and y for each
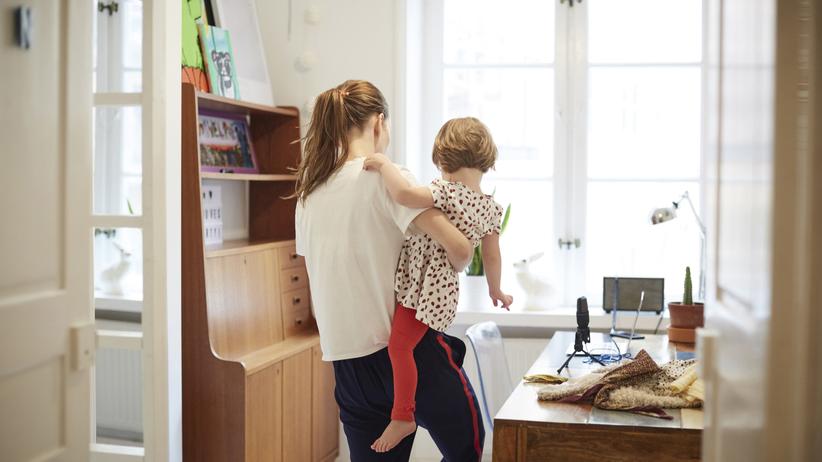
(468, 395)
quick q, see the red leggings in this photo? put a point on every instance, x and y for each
(406, 333)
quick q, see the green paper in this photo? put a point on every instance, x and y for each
(192, 11)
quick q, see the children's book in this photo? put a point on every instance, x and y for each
(219, 61)
(225, 144)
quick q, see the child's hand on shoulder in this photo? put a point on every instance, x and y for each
(497, 296)
(375, 161)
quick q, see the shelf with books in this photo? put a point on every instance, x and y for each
(246, 176)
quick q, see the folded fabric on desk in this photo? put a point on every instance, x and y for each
(639, 386)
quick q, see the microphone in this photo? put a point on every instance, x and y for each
(582, 335)
(583, 318)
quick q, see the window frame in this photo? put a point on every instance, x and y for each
(571, 111)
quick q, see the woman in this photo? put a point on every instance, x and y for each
(351, 233)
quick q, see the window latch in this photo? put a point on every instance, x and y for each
(112, 7)
(563, 243)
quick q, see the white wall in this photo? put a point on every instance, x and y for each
(351, 39)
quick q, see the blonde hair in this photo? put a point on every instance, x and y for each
(336, 111)
(464, 143)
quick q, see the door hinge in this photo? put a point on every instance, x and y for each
(83, 346)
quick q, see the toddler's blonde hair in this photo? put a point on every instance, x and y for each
(464, 143)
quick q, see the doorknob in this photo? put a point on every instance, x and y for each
(568, 243)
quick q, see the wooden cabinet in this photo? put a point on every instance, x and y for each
(297, 407)
(243, 302)
(264, 414)
(325, 413)
(252, 386)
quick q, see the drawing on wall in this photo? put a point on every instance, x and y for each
(219, 59)
(240, 18)
(225, 143)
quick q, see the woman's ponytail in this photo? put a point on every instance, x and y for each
(336, 111)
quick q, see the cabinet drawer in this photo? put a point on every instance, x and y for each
(295, 320)
(289, 258)
(296, 300)
(293, 278)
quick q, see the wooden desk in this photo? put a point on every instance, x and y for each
(526, 429)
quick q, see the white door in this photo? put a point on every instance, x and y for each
(759, 346)
(740, 39)
(46, 335)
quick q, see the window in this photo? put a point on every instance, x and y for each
(596, 112)
(119, 226)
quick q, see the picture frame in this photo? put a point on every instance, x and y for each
(218, 56)
(240, 18)
(225, 143)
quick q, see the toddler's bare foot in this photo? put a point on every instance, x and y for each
(395, 432)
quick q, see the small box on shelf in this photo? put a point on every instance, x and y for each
(212, 214)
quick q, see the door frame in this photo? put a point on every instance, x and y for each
(162, 355)
(793, 404)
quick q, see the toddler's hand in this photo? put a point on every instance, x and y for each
(504, 299)
(375, 161)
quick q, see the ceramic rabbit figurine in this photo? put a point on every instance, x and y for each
(112, 277)
(538, 291)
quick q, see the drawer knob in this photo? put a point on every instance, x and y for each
(299, 321)
(294, 256)
(295, 278)
(296, 300)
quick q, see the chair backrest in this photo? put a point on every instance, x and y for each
(492, 368)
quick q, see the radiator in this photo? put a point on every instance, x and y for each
(521, 354)
(118, 394)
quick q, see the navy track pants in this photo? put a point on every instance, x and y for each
(446, 404)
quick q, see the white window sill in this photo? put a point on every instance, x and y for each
(561, 318)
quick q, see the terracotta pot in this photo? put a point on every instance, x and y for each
(687, 316)
(681, 335)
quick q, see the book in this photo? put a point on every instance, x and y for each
(219, 61)
(225, 144)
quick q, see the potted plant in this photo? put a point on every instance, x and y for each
(473, 287)
(686, 315)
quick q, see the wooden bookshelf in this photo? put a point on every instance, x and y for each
(221, 103)
(246, 176)
(254, 385)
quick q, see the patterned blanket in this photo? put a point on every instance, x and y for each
(639, 386)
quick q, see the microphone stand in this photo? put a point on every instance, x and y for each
(582, 335)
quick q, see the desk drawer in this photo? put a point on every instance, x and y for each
(293, 278)
(295, 300)
(296, 320)
(289, 258)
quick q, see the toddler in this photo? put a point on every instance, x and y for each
(426, 284)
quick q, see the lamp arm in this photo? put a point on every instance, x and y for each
(702, 229)
(703, 245)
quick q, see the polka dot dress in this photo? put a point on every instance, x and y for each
(425, 280)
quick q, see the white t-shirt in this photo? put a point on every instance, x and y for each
(351, 233)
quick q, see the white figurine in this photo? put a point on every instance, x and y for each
(112, 277)
(538, 291)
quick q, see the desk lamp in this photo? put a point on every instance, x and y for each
(664, 214)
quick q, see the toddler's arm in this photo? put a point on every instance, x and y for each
(492, 263)
(457, 247)
(401, 192)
